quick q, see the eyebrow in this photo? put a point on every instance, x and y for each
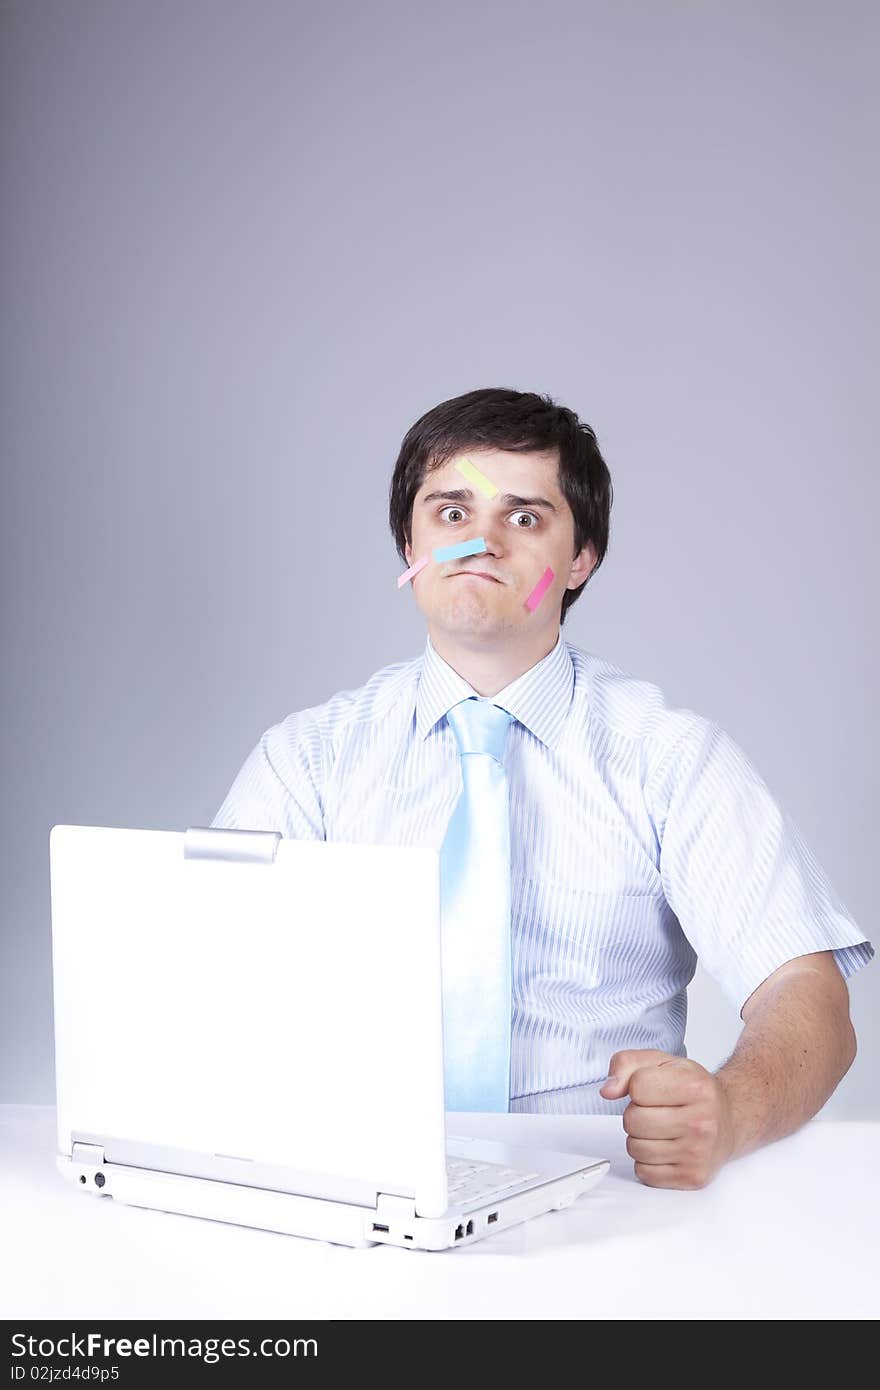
(507, 499)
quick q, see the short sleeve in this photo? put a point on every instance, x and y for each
(279, 784)
(747, 891)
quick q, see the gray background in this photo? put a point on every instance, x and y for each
(244, 246)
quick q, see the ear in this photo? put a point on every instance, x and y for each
(582, 566)
(408, 552)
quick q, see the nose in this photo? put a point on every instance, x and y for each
(493, 534)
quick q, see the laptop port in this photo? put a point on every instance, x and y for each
(469, 1229)
(459, 1232)
(493, 1216)
(377, 1227)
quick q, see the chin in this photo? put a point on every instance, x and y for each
(474, 620)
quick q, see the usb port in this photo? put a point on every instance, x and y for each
(493, 1216)
(377, 1227)
(459, 1232)
(469, 1229)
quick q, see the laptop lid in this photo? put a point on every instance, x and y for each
(234, 998)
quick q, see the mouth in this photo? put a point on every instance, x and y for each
(475, 574)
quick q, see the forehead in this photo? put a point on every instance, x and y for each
(511, 471)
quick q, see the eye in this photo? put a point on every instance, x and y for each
(534, 518)
(457, 513)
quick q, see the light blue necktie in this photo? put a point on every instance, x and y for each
(475, 915)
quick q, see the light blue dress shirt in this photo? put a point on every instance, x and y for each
(641, 839)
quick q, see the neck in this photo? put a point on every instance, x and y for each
(488, 668)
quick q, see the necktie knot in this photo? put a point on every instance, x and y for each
(480, 727)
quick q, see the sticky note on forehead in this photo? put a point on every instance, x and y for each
(472, 473)
(456, 552)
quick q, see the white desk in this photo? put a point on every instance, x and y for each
(789, 1232)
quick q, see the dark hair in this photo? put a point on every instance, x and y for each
(520, 421)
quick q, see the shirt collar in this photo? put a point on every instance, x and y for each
(539, 698)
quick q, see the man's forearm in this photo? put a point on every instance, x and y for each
(796, 1045)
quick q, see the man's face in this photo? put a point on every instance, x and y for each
(527, 526)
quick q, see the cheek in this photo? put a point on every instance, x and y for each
(421, 540)
(558, 553)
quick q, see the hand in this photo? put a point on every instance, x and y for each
(679, 1119)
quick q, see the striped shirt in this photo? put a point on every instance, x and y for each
(641, 840)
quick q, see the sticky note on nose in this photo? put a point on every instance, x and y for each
(539, 590)
(457, 552)
(472, 473)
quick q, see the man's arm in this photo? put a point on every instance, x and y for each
(797, 1045)
(684, 1123)
(279, 784)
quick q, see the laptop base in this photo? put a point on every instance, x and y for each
(391, 1222)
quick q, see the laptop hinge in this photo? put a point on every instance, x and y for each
(396, 1208)
(240, 846)
(88, 1153)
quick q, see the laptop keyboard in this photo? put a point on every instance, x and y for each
(470, 1178)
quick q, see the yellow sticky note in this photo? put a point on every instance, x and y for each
(472, 473)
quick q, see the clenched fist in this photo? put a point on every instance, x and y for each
(679, 1119)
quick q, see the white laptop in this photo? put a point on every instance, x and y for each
(249, 1029)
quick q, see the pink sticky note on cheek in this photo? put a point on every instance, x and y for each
(539, 590)
(412, 571)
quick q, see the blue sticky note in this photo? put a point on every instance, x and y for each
(457, 552)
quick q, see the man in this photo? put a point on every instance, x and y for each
(639, 835)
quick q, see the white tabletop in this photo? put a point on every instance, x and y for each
(789, 1232)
